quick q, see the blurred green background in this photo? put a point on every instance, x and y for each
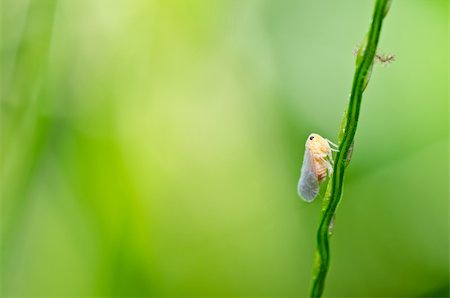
(152, 148)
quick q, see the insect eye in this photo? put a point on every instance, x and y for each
(311, 138)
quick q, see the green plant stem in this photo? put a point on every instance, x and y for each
(364, 63)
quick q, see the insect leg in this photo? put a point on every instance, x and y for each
(331, 143)
(328, 160)
(330, 157)
(329, 167)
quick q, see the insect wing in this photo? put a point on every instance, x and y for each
(308, 185)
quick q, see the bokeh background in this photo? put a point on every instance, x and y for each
(152, 148)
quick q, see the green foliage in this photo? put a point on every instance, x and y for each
(364, 64)
(150, 148)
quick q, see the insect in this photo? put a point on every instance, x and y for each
(317, 164)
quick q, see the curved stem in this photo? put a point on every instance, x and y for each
(364, 62)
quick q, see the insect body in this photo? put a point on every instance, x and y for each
(317, 163)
